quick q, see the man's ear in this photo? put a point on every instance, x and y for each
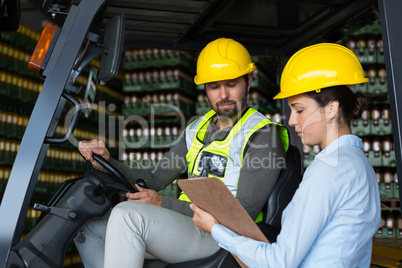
(332, 109)
(249, 82)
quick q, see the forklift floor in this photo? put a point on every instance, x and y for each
(387, 252)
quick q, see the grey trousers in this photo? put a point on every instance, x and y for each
(135, 231)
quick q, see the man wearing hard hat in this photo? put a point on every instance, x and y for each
(232, 142)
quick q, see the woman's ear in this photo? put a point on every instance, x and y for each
(331, 110)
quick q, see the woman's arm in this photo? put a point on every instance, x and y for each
(305, 217)
(243, 247)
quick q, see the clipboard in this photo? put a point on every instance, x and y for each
(212, 195)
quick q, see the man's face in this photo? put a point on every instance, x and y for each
(228, 97)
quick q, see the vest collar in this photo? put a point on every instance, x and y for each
(211, 117)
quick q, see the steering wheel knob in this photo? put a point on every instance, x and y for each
(142, 183)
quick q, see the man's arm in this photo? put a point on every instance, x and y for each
(263, 160)
(169, 168)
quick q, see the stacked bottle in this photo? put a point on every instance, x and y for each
(25, 37)
(160, 97)
(375, 125)
(202, 105)
(391, 224)
(4, 175)
(72, 259)
(160, 103)
(138, 58)
(388, 181)
(12, 124)
(274, 112)
(162, 136)
(160, 78)
(309, 152)
(8, 151)
(379, 150)
(64, 160)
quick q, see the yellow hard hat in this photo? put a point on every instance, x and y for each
(223, 59)
(320, 66)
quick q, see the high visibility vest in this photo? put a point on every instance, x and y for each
(224, 158)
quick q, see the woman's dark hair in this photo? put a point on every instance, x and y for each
(351, 104)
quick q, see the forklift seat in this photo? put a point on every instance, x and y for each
(284, 189)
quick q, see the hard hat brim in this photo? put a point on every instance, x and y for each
(286, 94)
(202, 80)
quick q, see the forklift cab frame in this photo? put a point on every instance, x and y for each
(273, 28)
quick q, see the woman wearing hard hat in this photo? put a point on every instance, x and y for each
(150, 225)
(336, 211)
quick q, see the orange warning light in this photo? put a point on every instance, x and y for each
(36, 61)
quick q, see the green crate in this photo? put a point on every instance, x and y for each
(170, 190)
(383, 233)
(375, 160)
(259, 106)
(307, 161)
(380, 58)
(389, 161)
(166, 109)
(366, 57)
(373, 28)
(361, 128)
(395, 190)
(363, 88)
(2, 185)
(377, 87)
(202, 108)
(381, 129)
(386, 193)
(181, 85)
(133, 87)
(180, 60)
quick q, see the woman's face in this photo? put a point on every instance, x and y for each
(308, 119)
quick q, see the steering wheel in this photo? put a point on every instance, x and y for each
(116, 174)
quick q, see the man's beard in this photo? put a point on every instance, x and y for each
(233, 111)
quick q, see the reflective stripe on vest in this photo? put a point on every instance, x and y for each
(231, 148)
